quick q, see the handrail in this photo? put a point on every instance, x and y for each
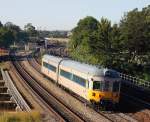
(14, 92)
(135, 81)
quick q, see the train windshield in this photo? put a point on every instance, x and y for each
(101, 85)
(97, 85)
(106, 86)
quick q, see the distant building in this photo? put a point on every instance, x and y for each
(57, 40)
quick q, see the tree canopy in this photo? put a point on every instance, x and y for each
(124, 46)
(82, 39)
(10, 33)
(30, 29)
(6, 37)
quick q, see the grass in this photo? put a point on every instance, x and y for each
(3, 65)
(20, 117)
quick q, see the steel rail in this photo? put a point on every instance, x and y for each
(110, 116)
(50, 109)
(56, 104)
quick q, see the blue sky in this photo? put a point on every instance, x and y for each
(64, 14)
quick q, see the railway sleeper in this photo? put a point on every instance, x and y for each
(3, 89)
(2, 83)
(7, 105)
(5, 96)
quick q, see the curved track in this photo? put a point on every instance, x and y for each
(115, 117)
(51, 100)
(47, 107)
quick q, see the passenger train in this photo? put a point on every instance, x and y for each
(97, 85)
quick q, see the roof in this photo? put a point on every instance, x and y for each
(82, 67)
(52, 58)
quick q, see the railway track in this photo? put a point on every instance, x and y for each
(47, 108)
(137, 102)
(51, 100)
(19, 100)
(34, 63)
(140, 99)
(115, 117)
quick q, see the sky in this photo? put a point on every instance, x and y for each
(64, 14)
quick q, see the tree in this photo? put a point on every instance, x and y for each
(103, 45)
(10, 33)
(14, 29)
(6, 37)
(95, 42)
(1, 25)
(125, 47)
(135, 31)
(30, 29)
(83, 36)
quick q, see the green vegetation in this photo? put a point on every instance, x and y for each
(30, 29)
(20, 117)
(10, 33)
(124, 46)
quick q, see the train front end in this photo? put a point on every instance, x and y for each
(105, 89)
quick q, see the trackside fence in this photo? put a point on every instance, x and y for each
(135, 81)
(14, 92)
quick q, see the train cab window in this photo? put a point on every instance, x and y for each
(101, 85)
(97, 85)
(79, 80)
(116, 86)
(65, 74)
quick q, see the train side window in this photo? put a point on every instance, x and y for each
(66, 74)
(52, 68)
(45, 64)
(79, 80)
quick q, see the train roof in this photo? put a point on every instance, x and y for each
(82, 67)
(52, 58)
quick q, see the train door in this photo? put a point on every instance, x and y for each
(85, 91)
